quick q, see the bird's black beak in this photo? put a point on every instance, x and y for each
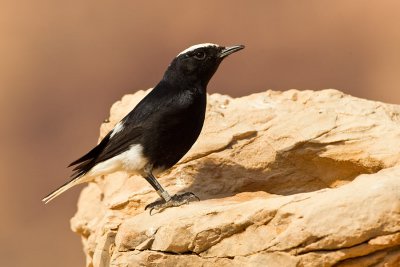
(229, 50)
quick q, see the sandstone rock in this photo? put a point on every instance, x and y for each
(295, 178)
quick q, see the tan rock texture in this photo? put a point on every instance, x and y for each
(295, 178)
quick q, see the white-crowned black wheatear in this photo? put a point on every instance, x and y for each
(160, 130)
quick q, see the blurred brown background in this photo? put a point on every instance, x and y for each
(63, 63)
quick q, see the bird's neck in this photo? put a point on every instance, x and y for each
(179, 78)
(183, 83)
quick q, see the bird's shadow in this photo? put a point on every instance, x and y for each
(299, 169)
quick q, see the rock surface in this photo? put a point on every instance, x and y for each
(295, 178)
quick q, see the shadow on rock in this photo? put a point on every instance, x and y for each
(302, 168)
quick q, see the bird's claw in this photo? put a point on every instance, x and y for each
(175, 201)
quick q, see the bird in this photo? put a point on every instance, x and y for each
(160, 129)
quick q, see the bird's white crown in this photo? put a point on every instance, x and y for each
(194, 47)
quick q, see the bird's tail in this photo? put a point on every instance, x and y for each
(62, 189)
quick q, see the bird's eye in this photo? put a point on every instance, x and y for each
(200, 55)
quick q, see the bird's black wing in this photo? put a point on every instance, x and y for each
(133, 127)
(108, 147)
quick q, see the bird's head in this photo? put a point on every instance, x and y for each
(198, 63)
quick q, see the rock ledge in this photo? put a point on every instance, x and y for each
(295, 178)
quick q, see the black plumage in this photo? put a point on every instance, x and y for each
(161, 129)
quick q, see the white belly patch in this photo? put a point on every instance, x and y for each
(131, 161)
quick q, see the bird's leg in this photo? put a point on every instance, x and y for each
(159, 189)
(166, 200)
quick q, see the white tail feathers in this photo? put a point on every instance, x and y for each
(62, 189)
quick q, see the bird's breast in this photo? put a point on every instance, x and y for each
(176, 130)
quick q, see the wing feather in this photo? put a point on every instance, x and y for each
(106, 149)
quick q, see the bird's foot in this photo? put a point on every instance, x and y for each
(175, 201)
